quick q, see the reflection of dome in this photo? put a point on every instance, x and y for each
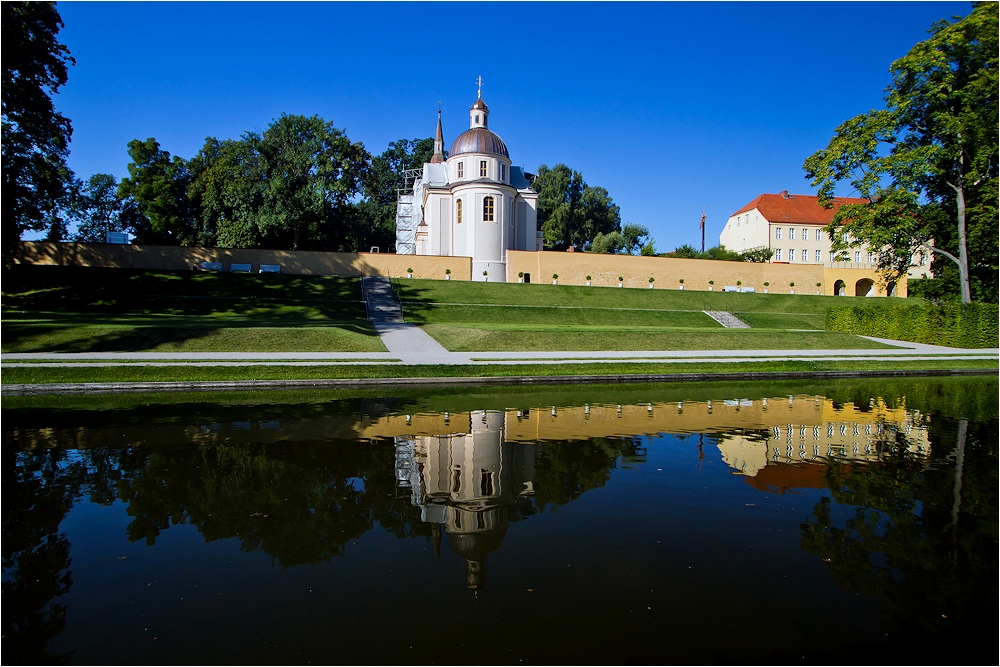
(474, 547)
(479, 140)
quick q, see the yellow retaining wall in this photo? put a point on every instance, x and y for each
(572, 267)
(301, 262)
(604, 270)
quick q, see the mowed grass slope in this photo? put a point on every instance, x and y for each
(473, 316)
(61, 309)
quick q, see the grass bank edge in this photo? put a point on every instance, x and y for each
(153, 374)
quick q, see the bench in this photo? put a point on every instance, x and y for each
(239, 268)
(730, 288)
(270, 268)
(749, 290)
(211, 266)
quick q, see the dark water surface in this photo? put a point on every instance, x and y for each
(706, 523)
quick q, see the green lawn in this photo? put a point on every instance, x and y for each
(70, 374)
(535, 337)
(59, 309)
(515, 294)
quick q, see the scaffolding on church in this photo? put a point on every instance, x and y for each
(406, 219)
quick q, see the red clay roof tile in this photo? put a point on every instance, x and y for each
(796, 209)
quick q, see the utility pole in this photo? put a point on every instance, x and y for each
(702, 229)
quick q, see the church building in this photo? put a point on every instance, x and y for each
(473, 203)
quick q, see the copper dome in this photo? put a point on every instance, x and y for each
(479, 140)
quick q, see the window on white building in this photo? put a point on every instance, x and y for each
(791, 254)
(458, 212)
(791, 233)
(819, 234)
(819, 256)
(805, 234)
(737, 221)
(777, 254)
(503, 172)
(805, 255)
(857, 256)
(777, 232)
(871, 258)
(482, 168)
(461, 170)
(487, 208)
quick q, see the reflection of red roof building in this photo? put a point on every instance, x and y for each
(782, 477)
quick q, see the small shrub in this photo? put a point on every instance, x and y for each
(447, 272)
(555, 276)
(739, 282)
(791, 284)
(651, 279)
(409, 270)
(520, 274)
(620, 278)
(588, 277)
(682, 281)
(767, 284)
(712, 282)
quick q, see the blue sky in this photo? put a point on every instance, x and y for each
(670, 106)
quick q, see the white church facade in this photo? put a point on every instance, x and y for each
(474, 203)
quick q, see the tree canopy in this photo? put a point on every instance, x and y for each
(631, 240)
(720, 252)
(926, 164)
(570, 212)
(35, 136)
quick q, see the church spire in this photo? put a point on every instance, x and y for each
(438, 141)
(479, 110)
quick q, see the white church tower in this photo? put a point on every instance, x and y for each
(472, 204)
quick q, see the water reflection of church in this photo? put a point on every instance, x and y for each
(469, 484)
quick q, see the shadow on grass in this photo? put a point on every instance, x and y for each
(49, 338)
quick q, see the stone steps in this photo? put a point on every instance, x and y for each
(727, 319)
(381, 300)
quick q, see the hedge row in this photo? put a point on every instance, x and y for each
(970, 326)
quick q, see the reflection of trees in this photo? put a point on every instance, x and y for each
(564, 470)
(40, 488)
(299, 503)
(918, 533)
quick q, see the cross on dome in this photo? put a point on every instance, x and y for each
(479, 82)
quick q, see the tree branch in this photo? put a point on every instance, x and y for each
(941, 252)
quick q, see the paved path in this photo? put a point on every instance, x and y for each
(408, 344)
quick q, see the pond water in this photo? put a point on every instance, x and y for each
(704, 523)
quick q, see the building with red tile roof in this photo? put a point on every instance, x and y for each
(792, 226)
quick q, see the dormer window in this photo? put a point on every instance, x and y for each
(487, 208)
(461, 170)
(482, 168)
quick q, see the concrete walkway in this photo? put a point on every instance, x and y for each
(408, 344)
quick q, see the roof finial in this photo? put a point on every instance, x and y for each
(479, 82)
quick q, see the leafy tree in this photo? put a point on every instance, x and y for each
(721, 253)
(97, 209)
(159, 185)
(35, 136)
(631, 240)
(377, 212)
(926, 164)
(292, 186)
(570, 212)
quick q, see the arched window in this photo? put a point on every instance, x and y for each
(458, 212)
(487, 209)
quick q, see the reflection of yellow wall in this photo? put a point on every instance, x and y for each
(537, 424)
(582, 422)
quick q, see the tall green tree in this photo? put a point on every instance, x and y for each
(570, 212)
(35, 136)
(159, 185)
(295, 185)
(97, 209)
(926, 164)
(631, 240)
